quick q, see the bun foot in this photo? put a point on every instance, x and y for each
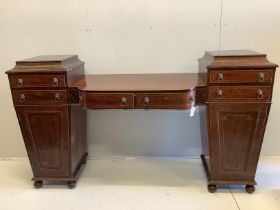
(250, 188)
(38, 184)
(212, 188)
(71, 184)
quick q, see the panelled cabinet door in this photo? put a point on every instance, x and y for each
(45, 133)
(236, 134)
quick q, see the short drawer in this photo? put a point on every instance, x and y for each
(107, 100)
(239, 93)
(26, 81)
(165, 100)
(39, 97)
(241, 76)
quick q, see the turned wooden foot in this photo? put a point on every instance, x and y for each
(250, 188)
(85, 161)
(38, 184)
(71, 184)
(212, 188)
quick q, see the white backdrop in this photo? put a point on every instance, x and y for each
(135, 36)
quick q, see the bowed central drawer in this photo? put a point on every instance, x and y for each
(165, 100)
(184, 100)
(107, 100)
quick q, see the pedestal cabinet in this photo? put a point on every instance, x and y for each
(45, 132)
(239, 90)
(51, 121)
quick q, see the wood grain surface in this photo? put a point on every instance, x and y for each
(140, 82)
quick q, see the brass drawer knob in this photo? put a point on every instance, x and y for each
(261, 77)
(55, 82)
(20, 83)
(220, 77)
(219, 93)
(22, 98)
(57, 97)
(146, 101)
(260, 94)
(123, 101)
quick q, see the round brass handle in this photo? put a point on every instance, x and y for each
(261, 77)
(22, 98)
(220, 77)
(146, 101)
(56, 97)
(220, 93)
(260, 94)
(20, 82)
(55, 82)
(123, 101)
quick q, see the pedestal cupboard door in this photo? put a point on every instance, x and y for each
(236, 134)
(45, 133)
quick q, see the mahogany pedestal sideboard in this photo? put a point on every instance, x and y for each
(51, 95)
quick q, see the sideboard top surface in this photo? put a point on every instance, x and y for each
(140, 82)
(46, 64)
(47, 58)
(234, 53)
(235, 59)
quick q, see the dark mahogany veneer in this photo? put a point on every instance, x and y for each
(51, 95)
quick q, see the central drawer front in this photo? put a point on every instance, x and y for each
(39, 97)
(239, 93)
(165, 100)
(108, 100)
(241, 76)
(27, 81)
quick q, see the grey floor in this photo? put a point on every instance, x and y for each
(132, 184)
